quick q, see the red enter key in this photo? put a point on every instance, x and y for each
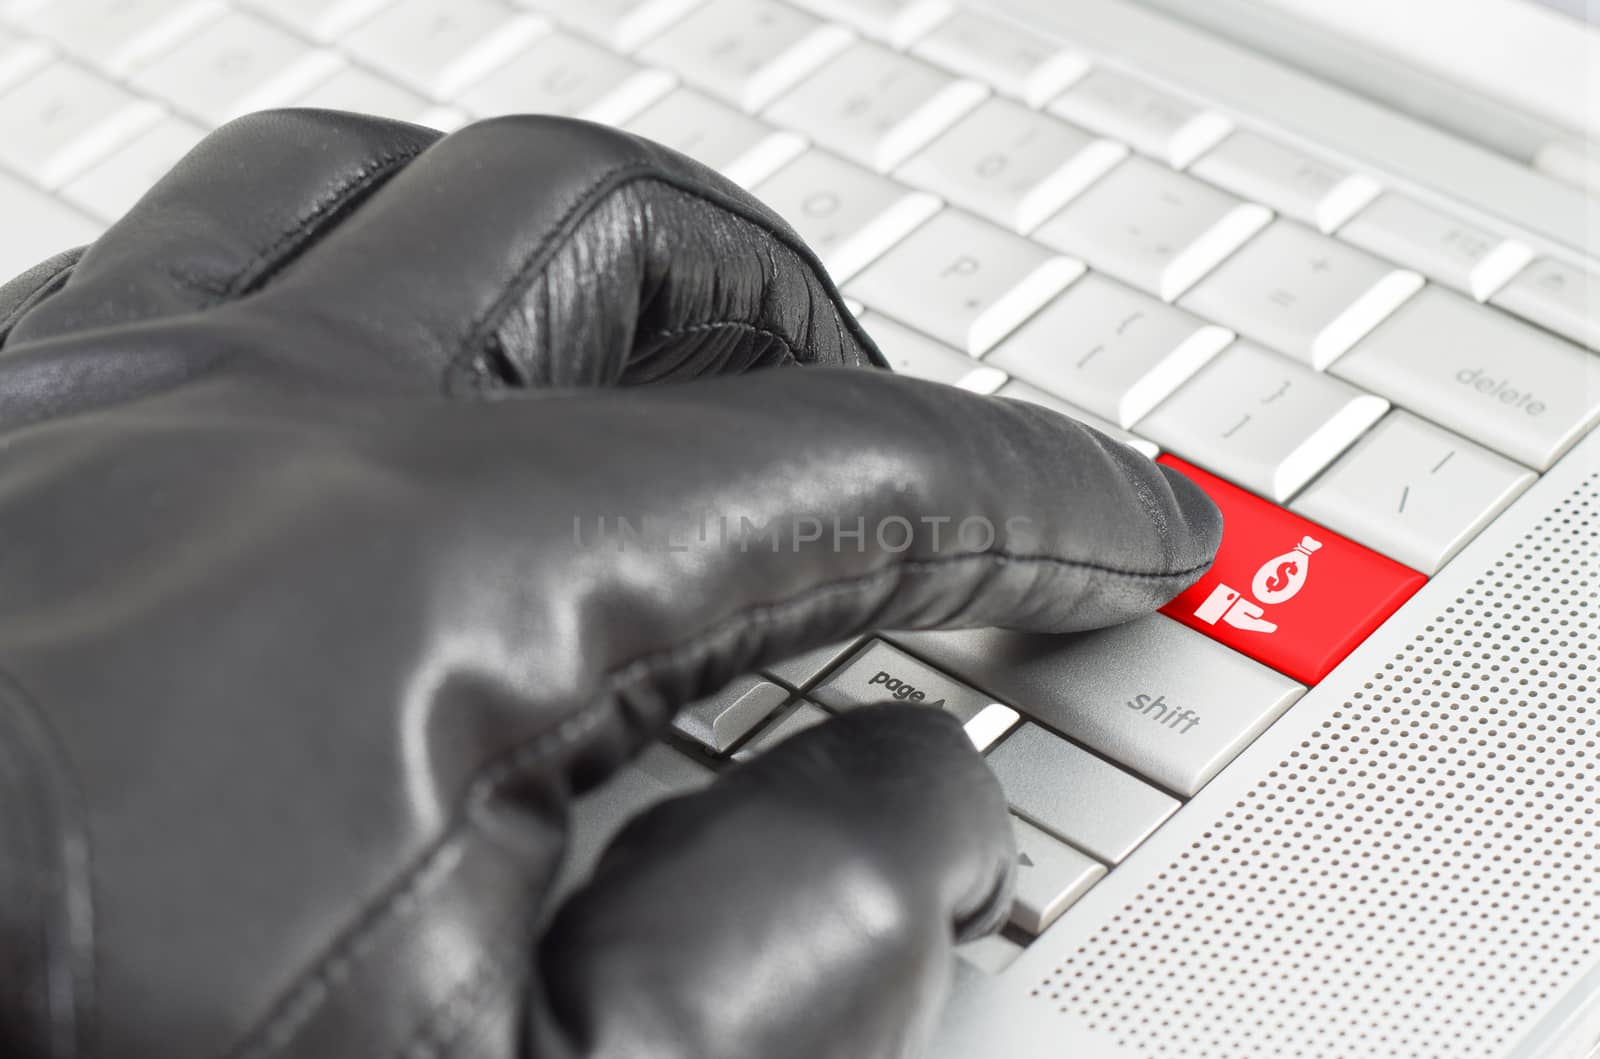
(1285, 591)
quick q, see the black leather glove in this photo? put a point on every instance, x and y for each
(303, 658)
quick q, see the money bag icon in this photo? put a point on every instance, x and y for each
(1280, 578)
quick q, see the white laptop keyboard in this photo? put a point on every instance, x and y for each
(1010, 215)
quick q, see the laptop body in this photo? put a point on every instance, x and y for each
(1397, 856)
(1327, 894)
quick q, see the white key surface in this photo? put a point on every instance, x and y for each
(746, 51)
(719, 721)
(1481, 373)
(1413, 491)
(965, 281)
(37, 226)
(1150, 119)
(1301, 293)
(63, 119)
(1261, 420)
(1011, 164)
(875, 106)
(845, 213)
(20, 57)
(567, 75)
(1557, 296)
(363, 92)
(1051, 876)
(799, 670)
(990, 954)
(1110, 349)
(439, 47)
(896, 22)
(788, 724)
(114, 35)
(1076, 796)
(619, 24)
(1019, 64)
(657, 773)
(119, 180)
(1288, 180)
(1152, 227)
(319, 20)
(1445, 248)
(1163, 700)
(1021, 391)
(746, 150)
(233, 65)
(912, 353)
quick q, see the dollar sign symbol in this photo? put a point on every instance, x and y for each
(1280, 576)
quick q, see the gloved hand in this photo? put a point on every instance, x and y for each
(303, 658)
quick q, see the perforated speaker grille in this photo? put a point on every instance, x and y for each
(1418, 875)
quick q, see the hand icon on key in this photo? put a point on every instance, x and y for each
(1229, 605)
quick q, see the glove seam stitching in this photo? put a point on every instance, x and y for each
(304, 998)
(668, 334)
(273, 256)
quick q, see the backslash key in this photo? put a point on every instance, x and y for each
(1287, 592)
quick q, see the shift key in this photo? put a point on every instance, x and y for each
(1162, 700)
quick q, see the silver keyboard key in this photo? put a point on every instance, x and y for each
(320, 20)
(1413, 491)
(797, 719)
(875, 106)
(1051, 876)
(233, 65)
(1444, 248)
(1021, 391)
(657, 774)
(1261, 420)
(1160, 699)
(741, 148)
(1558, 296)
(439, 47)
(802, 669)
(881, 673)
(990, 954)
(896, 22)
(965, 281)
(1301, 293)
(746, 51)
(115, 35)
(1075, 796)
(1483, 374)
(1151, 119)
(20, 58)
(571, 77)
(1112, 350)
(1152, 227)
(721, 720)
(38, 226)
(1017, 63)
(113, 185)
(913, 353)
(845, 213)
(1010, 164)
(363, 92)
(63, 119)
(1294, 183)
(621, 25)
